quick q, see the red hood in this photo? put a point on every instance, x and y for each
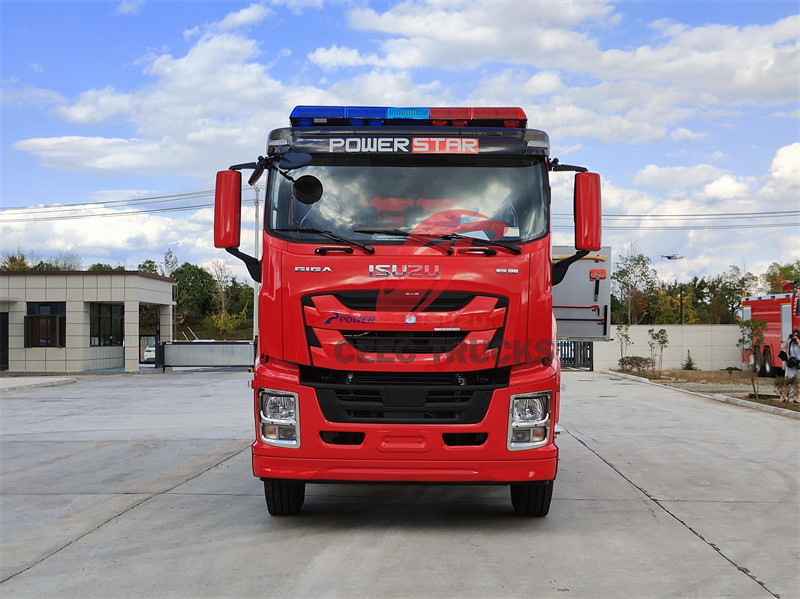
(405, 309)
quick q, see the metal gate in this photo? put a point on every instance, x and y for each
(576, 355)
(205, 353)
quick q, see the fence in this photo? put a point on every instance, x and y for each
(576, 354)
(713, 347)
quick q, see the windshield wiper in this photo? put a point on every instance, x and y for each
(485, 242)
(330, 235)
(426, 239)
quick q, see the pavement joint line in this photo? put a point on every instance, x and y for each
(661, 505)
(716, 397)
(147, 497)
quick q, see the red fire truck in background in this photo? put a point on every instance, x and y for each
(406, 329)
(782, 313)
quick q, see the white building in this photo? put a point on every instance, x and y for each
(65, 321)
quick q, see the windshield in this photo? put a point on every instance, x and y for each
(364, 195)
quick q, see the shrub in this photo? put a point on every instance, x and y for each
(782, 382)
(635, 363)
(689, 363)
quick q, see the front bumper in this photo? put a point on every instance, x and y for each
(386, 452)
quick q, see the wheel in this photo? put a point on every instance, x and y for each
(758, 362)
(284, 497)
(766, 367)
(532, 499)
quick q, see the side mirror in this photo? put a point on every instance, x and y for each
(588, 214)
(228, 209)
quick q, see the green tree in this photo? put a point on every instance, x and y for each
(100, 266)
(777, 274)
(672, 303)
(194, 294)
(148, 266)
(241, 298)
(170, 264)
(227, 324)
(18, 260)
(61, 261)
(729, 288)
(658, 341)
(632, 280)
(624, 338)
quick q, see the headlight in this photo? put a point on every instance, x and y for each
(529, 409)
(279, 407)
(279, 418)
(528, 420)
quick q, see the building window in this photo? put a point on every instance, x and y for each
(46, 324)
(106, 325)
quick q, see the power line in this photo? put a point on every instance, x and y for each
(105, 215)
(130, 202)
(689, 227)
(652, 223)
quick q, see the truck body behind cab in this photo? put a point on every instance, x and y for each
(781, 311)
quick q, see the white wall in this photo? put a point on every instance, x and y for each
(713, 347)
(78, 290)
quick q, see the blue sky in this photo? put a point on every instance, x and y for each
(686, 109)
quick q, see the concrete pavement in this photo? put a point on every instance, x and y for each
(127, 486)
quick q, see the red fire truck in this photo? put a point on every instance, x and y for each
(406, 313)
(782, 313)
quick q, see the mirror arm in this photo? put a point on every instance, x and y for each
(560, 268)
(555, 165)
(253, 264)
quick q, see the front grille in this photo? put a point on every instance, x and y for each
(404, 301)
(313, 377)
(405, 342)
(404, 398)
(403, 405)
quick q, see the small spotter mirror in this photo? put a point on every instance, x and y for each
(307, 189)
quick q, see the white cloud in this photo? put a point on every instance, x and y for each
(781, 189)
(755, 63)
(97, 105)
(727, 187)
(214, 101)
(10, 95)
(677, 177)
(251, 15)
(684, 134)
(129, 7)
(298, 6)
(335, 57)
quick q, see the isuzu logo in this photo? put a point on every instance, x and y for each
(403, 270)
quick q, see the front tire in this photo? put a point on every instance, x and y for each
(284, 497)
(532, 500)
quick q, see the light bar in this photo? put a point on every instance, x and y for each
(376, 116)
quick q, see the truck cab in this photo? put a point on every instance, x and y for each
(406, 330)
